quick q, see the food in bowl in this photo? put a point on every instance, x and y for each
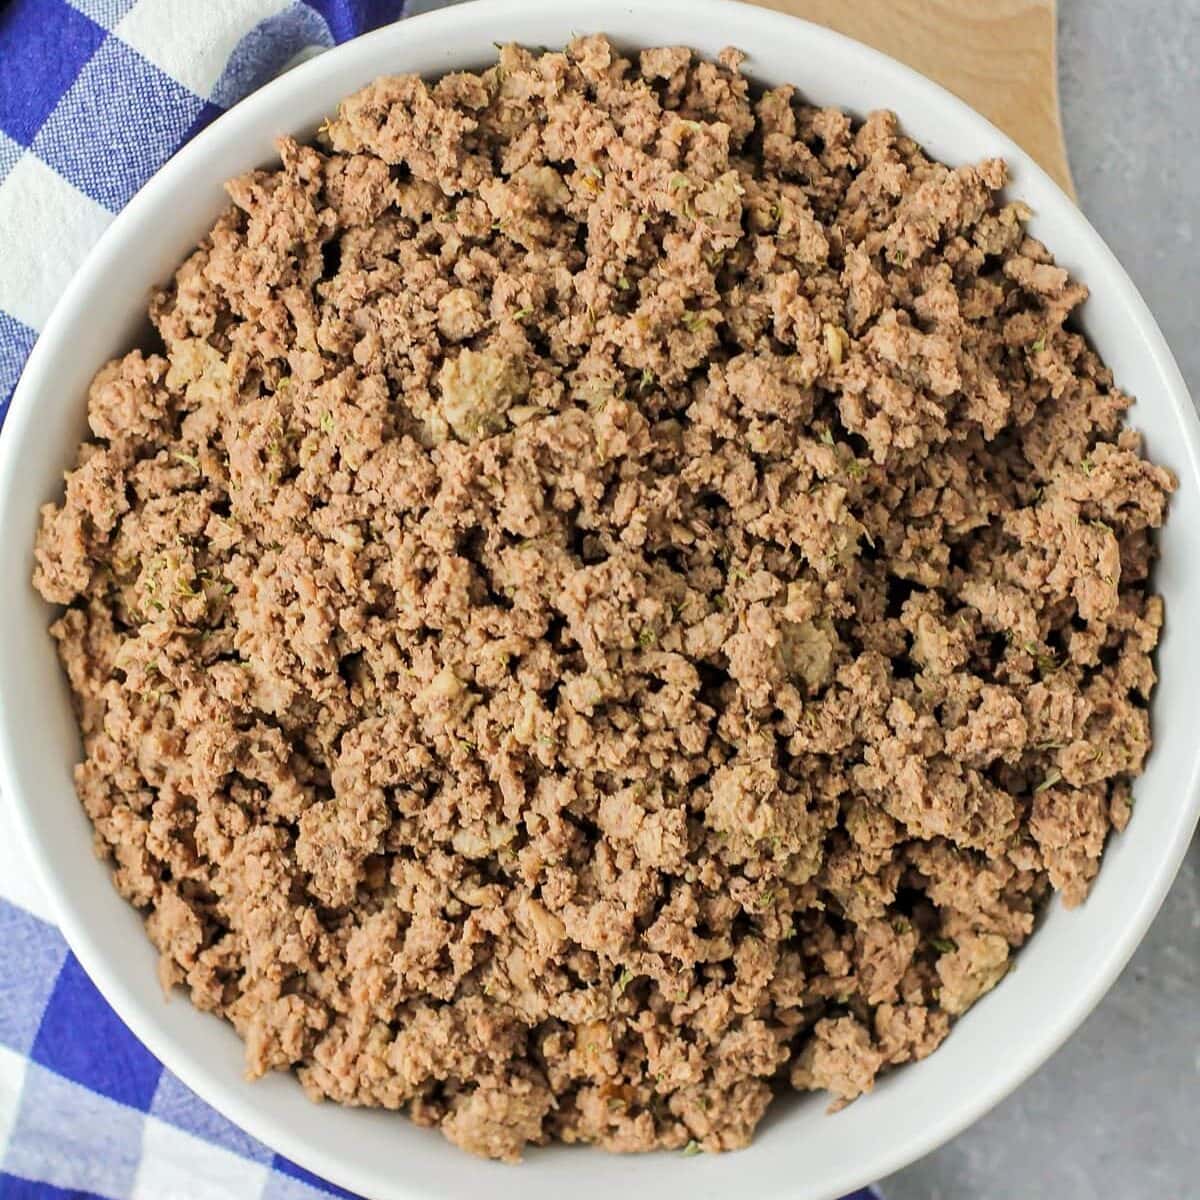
(614, 593)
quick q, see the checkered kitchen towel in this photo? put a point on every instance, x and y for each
(95, 95)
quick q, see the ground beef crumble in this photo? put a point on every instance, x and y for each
(614, 594)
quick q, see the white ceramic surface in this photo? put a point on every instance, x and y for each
(800, 1152)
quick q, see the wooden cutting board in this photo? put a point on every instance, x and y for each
(997, 55)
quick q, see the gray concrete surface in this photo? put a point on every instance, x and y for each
(1115, 1115)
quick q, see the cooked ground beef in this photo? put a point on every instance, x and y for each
(614, 594)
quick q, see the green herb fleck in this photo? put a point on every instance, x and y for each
(900, 257)
(624, 284)
(766, 899)
(827, 436)
(327, 422)
(647, 637)
(677, 182)
(624, 980)
(692, 1149)
(1051, 779)
(647, 380)
(694, 322)
(944, 945)
(1047, 664)
(1039, 345)
(187, 458)
(522, 313)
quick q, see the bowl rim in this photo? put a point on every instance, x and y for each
(21, 424)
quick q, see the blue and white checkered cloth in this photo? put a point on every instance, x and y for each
(95, 95)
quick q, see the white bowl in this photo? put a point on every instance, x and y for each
(800, 1152)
